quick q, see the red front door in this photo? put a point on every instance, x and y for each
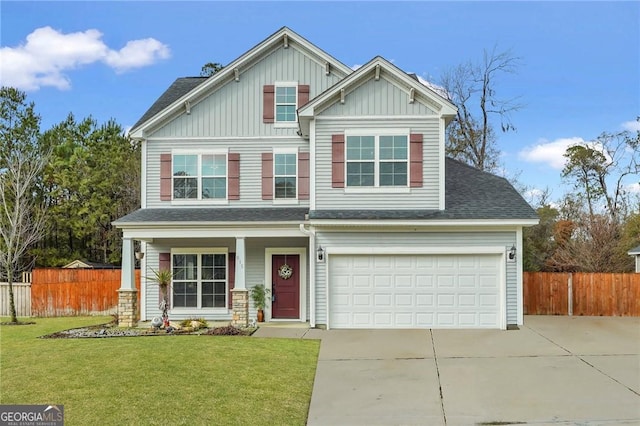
(285, 286)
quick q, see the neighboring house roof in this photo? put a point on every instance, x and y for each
(178, 89)
(85, 264)
(470, 194)
(204, 214)
(174, 103)
(634, 251)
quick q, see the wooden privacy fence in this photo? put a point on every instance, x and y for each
(21, 299)
(63, 292)
(581, 293)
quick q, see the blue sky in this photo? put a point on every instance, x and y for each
(580, 72)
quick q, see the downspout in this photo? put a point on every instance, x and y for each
(312, 274)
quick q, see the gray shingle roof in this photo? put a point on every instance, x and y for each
(634, 250)
(178, 88)
(469, 194)
(215, 214)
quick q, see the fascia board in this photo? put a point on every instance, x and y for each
(183, 225)
(350, 223)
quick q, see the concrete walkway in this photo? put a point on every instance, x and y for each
(553, 371)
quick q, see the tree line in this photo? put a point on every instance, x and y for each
(84, 175)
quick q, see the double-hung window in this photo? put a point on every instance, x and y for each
(377, 160)
(199, 279)
(286, 103)
(285, 165)
(199, 176)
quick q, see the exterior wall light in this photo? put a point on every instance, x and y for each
(320, 254)
(512, 253)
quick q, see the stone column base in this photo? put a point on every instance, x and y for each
(127, 308)
(240, 302)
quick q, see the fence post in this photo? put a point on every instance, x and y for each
(570, 298)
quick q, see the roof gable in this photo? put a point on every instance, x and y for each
(184, 93)
(377, 68)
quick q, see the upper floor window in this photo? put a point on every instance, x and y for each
(286, 97)
(199, 176)
(285, 175)
(377, 160)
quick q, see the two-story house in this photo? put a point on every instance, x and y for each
(328, 185)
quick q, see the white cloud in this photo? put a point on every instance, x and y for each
(47, 54)
(633, 125)
(634, 188)
(550, 153)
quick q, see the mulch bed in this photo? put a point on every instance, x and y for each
(109, 330)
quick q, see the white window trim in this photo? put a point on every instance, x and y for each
(200, 200)
(284, 124)
(376, 133)
(285, 200)
(184, 310)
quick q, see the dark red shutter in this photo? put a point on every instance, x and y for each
(232, 278)
(268, 103)
(303, 94)
(267, 176)
(337, 161)
(164, 262)
(165, 177)
(415, 142)
(233, 186)
(303, 175)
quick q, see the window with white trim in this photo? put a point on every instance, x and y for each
(200, 280)
(199, 176)
(286, 103)
(285, 175)
(377, 160)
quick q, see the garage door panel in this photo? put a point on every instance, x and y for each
(434, 291)
(424, 281)
(403, 281)
(382, 300)
(383, 281)
(362, 300)
(424, 300)
(404, 300)
(362, 281)
(445, 281)
(467, 300)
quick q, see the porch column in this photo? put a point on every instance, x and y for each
(127, 294)
(240, 294)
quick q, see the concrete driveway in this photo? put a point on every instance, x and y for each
(553, 371)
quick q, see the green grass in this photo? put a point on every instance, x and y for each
(157, 380)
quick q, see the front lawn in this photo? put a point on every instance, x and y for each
(157, 380)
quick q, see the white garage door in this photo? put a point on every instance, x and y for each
(417, 291)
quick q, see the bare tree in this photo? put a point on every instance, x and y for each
(472, 88)
(21, 163)
(598, 170)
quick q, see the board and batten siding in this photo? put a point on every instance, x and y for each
(250, 151)
(425, 197)
(377, 98)
(417, 239)
(235, 109)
